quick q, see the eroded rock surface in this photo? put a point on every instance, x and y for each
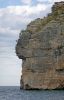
(41, 48)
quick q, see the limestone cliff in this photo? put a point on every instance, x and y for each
(41, 48)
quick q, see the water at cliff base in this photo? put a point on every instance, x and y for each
(14, 93)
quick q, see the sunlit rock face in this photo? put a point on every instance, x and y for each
(41, 48)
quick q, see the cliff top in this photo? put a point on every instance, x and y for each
(58, 6)
(56, 14)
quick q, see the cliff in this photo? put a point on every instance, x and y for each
(41, 48)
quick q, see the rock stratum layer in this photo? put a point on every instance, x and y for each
(41, 48)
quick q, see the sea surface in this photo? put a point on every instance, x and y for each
(14, 93)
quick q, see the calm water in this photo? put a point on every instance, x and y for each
(14, 93)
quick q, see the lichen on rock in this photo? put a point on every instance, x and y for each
(41, 48)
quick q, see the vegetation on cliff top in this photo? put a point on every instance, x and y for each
(56, 14)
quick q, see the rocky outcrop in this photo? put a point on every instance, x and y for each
(41, 48)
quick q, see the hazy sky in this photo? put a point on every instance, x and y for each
(14, 16)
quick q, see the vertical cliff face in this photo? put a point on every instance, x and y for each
(41, 48)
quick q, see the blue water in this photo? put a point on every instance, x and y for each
(14, 93)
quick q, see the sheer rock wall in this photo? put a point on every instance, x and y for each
(41, 48)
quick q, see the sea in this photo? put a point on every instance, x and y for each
(14, 93)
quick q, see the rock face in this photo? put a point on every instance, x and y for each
(41, 48)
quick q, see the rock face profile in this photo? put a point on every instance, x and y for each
(41, 48)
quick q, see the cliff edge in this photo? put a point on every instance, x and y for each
(41, 48)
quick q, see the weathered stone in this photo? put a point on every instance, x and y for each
(41, 48)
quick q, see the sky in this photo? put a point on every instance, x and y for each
(14, 16)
